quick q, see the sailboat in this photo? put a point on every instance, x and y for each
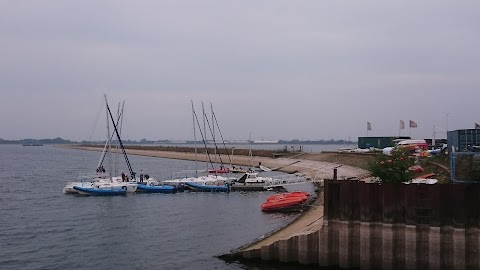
(110, 186)
(182, 178)
(89, 180)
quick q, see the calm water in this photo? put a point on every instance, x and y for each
(42, 228)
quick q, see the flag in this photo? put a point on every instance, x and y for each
(477, 126)
(413, 124)
(402, 124)
(369, 126)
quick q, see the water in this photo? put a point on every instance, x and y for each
(42, 228)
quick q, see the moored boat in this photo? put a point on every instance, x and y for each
(156, 189)
(221, 170)
(264, 168)
(208, 188)
(296, 194)
(93, 191)
(292, 201)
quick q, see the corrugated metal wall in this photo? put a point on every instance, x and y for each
(454, 205)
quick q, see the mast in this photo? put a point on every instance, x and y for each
(104, 152)
(194, 139)
(213, 133)
(207, 157)
(214, 143)
(250, 142)
(109, 142)
(214, 117)
(132, 173)
(115, 164)
(204, 141)
(119, 124)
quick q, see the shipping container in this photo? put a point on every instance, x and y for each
(377, 142)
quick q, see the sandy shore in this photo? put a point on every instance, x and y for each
(312, 165)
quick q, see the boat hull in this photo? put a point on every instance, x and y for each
(208, 188)
(156, 189)
(99, 191)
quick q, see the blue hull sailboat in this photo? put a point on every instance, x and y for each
(156, 189)
(208, 188)
(100, 191)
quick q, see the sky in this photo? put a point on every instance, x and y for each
(271, 70)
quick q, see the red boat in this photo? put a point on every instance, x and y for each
(299, 194)
(285, 201)
(224, 170)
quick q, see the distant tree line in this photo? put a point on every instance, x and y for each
(57, 140)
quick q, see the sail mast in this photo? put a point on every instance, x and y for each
(214, 117)
(213, 133)
(194, 139)
(132, 173)
(205, 137)
(108, 142)
(104, 152)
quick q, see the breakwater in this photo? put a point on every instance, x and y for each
(387, 226)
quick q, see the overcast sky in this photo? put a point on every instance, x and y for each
(272, 69)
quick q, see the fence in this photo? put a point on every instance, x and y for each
(465, 167)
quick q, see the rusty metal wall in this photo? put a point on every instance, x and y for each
(456, 205)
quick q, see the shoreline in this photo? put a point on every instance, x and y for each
(315, 166)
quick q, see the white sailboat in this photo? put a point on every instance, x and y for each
(104, 183)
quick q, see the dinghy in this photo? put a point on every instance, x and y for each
(100, 191)
(265, 169)
(297, 194)
(156, 189)
(208, 188)
(292, 201)
(221, 170)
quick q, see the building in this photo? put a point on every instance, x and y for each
(463, 139)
